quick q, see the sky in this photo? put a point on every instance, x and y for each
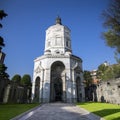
(24, 31)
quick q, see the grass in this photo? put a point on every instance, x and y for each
(8, 111)
(105, 110)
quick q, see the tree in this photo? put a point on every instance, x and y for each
(1, 42)
(104, 72)
(87, 77)
(3, 74)
(3, 68)
(26, 80)
(101, 71)
(108, 72)
(16, 78)
(116, 70)
(112, 22)
(2, 15)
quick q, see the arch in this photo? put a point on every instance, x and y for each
(78, 89)
(56, 83)
(36, 90)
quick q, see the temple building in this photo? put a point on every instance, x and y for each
(58, 74)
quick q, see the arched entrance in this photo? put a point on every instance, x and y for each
(56, 84)
(58, 89)
(36, 90)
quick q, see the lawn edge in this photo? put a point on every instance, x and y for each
(24, 113)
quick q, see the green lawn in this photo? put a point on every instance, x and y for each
(8, 111)
(105, 110)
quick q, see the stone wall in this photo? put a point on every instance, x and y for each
(3, 84)
(109, 91)
(14, 93)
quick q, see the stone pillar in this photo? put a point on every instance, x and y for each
(6, 94)
(74, 96)
(68, 87)
(41, 86)
(33, 89)
(46, 86)
(64, 87)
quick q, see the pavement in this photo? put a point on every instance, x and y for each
(57, 111)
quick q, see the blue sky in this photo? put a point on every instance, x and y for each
(24, 31)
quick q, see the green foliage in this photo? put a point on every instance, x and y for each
(87, 77)
(105, 110)
(116, 70)
(112, 23)
(16, 78)
(1, 42)
(3, 74)
(108, 72)
(101, 71)
(26, 80)
(3, 68)
(2, 15)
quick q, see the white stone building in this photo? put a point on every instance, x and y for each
(58, 74)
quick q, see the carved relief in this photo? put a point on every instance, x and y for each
(37, 70)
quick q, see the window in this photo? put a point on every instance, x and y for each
(67, 43)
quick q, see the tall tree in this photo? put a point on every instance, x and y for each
(26, 80)
(16, 78)
(3, 74)
(112, 22)
(108, 72)
(3, 68)
(2, 15)
(102, 69)
(87, 77)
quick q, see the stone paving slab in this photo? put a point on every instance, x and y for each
(58, 111)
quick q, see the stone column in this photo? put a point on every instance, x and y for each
(64, 87)
(46, 86)
(6, 94)
(68, 86)
(41, 86)
(33, 86)
(74, 96)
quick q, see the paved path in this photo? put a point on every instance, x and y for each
(58, 111)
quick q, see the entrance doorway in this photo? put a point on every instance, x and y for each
(56, 82)
(58, 89)
(36, 90)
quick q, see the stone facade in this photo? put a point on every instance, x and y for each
(3, 86)
(109, 91)
(58, 74)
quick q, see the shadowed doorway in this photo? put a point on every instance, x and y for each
(58, 89)
(56, 85)
(37, 87)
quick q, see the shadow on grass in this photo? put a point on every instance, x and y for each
(118, 118)
(107, 112)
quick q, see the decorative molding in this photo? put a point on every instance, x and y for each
(37, 70)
